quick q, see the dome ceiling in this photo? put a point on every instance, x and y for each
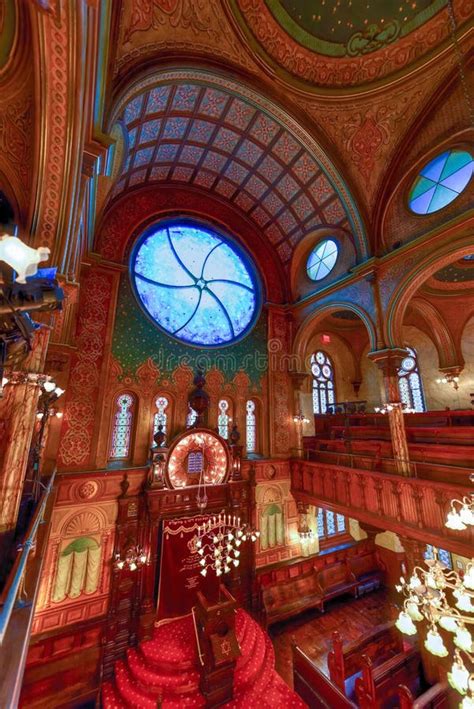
(210, 138)
(344, 43)
(456, 277)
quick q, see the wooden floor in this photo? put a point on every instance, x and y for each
(312, 631)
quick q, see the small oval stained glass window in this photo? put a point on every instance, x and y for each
(196, 285)
(441, 181)
(322, 260)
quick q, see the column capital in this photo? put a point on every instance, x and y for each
(388, 360)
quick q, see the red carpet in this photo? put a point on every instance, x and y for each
(167, 668)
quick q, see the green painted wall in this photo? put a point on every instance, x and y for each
(136, 339)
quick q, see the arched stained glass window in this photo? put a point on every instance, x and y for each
(251, 427)
(322, 260)
(409, 382)
(161, 415)
(323, 382)
(443, 555)
(191, 418)
(223, 418)
(330, 523)
(195, 285)
(122, 426)
(441, 181)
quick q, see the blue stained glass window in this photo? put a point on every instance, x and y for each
(322, 260)
(330, 524)
(409, 382)
(196, 285)
(441, 181)
(443, 555)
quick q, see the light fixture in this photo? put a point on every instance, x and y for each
(428, 596)
(463, 517)
(134, 559)
(452, 379)
(386, 408)
(300, 419)
(217, 542)
(20, 257)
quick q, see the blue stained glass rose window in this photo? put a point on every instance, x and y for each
(195, 284)
(441, 181)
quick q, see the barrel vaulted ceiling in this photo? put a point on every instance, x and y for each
(200, 130)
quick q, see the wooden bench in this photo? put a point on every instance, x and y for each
(336, 580)
(436, 697)
(314, 687)
(285, 600)
(378, 686)
(345, 664)
(367, 572)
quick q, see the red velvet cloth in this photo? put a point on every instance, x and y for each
(180, 571)
(166, 668)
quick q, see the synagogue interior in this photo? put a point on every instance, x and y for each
(236, 354)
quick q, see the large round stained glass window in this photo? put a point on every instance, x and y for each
(196, 285)
(441, 181)
(322, 260)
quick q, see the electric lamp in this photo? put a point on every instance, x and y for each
(405, 624)
(463, 639)
(454, 521)
(413, 612)
(463, 600)
(133, 566)
(467, 703)
(468, 579)
(203, 572)
(448, 624)
(434, 643)
(458, 677)
(49, 386)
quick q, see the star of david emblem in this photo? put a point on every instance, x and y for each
(226, 647)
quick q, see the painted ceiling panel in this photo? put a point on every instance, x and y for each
(210, 138)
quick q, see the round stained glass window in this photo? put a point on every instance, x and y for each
(195, 284)
(322, 260)
(441, 181)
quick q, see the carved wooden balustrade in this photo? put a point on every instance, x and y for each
(416, 508)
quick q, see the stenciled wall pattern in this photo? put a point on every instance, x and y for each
(137, 340)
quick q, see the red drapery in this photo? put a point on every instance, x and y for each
(180, 571)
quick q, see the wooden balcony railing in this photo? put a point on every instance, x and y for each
(18, 599)
(407, 506)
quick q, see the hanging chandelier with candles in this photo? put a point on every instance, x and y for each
(444, 600)
(133, 559)
(219, 540)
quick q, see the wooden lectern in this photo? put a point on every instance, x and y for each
(217, 646)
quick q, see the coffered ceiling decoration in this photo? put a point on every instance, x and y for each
(346, 43)
(203, 131)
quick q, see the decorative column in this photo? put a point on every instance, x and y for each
(298, 380)
(389, 362)
(18, 410)
(279, 385)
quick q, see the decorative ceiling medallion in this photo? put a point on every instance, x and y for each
(345, 43)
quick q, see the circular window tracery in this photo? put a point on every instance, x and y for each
(322, 260)
(195, 284)
(441, 181)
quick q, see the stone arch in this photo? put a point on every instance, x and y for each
(308, 326)
(447, 351)
(412, 281)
